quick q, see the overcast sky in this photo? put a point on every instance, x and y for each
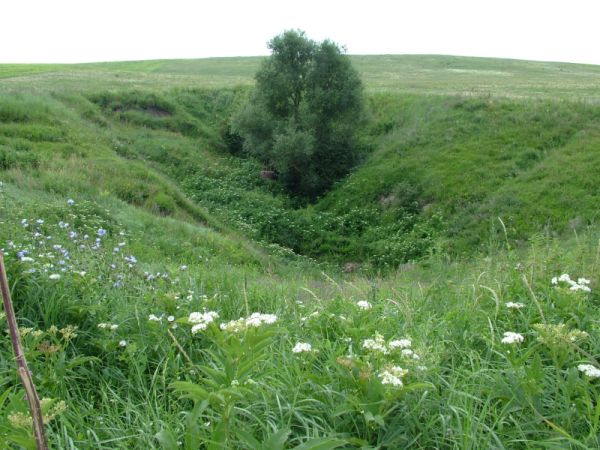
(112, 30)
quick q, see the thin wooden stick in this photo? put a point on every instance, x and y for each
(32, 396)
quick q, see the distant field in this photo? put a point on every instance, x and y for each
(394, 73)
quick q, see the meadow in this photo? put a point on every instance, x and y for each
(168, 297)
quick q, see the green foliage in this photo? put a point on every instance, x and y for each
(125, 381)
(439, 171)
(302, 117)
(162, 204)
(12, 158)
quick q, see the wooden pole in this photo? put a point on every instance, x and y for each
(32, 396)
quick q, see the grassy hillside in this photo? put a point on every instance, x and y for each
(438, 171)
(107, 297)
(473, 160)
(161, 306)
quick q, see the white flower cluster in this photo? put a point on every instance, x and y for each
(108, 325)
(255, 320)
(302, 347)
(202, 320)
(400, 343)
(378, 345)
(589, 370)
(393, 376)
(582, 284)
(364, 305)
(515, 305)
(511, 337)
(155, 318)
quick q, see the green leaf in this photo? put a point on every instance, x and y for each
(321, 444)
(166, 439)
(192, 432)
(218, 439)
(248, 440)
(80, 361)
(190, 390)
(277, 440)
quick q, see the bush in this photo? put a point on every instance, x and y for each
(10, 158)
(162, 204)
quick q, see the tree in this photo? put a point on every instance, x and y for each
(302, 118)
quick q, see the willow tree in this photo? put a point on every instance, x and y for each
(302, 118)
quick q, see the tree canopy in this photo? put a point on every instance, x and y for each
(302, 117)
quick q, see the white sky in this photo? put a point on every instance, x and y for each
(111, 30)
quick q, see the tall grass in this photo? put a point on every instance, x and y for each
(152, 382)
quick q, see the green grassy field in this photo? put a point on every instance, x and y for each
(445, 75)
(171, 298)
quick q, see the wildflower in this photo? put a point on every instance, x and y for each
(70, 202)
(72, 234)
(558, 335)
(131, 259)
(170, 318)
(234, 325)
(24, 223)
(254, 320)
(512, 338)
(400, 343)
(54, 276)
(123, 343)
(589, 370)
(376, 345)
(26, 259)
(407, 352)
(114, 327)
(68, 332)
(101, 232)
(154, 318)
(24, 331)
(392, 376)
(39, 221)
(183, 268)
(363, 304)
(301, 347)
(514, 305)
(202, 320)
(22, 420)
(257, 319)
(116, 250)
(580, 285)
